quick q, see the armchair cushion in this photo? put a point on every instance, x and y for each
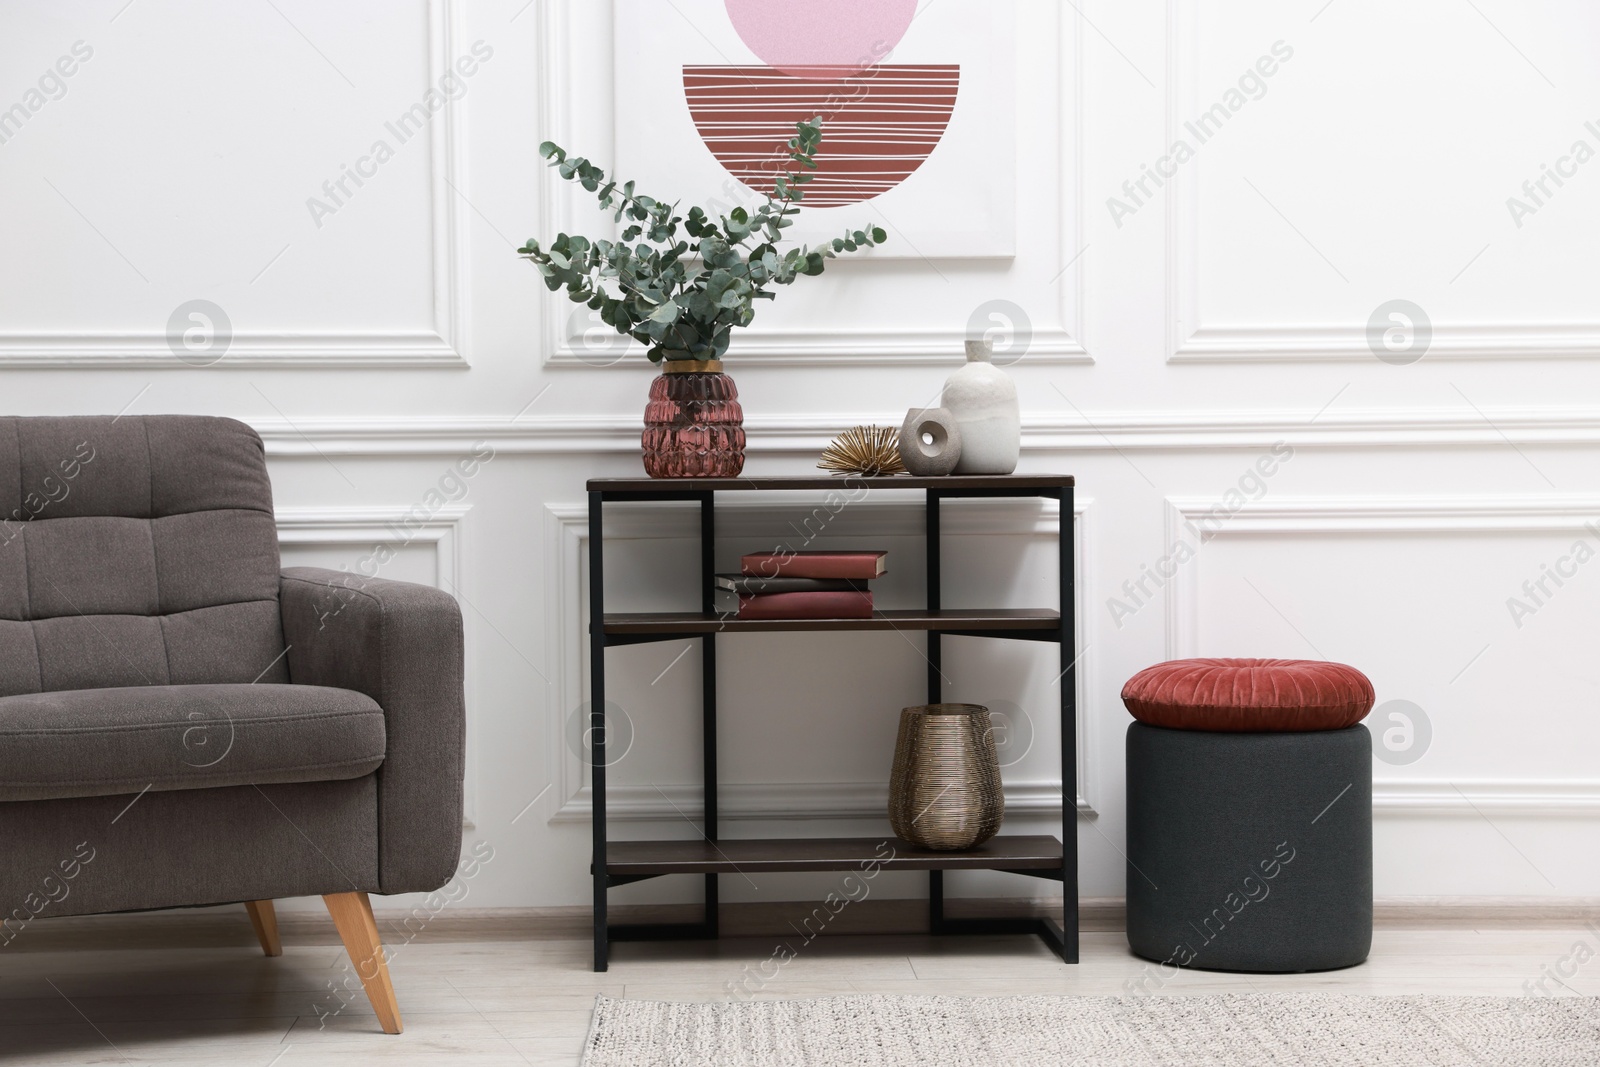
(102, 742)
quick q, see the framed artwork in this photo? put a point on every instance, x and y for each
(918, 108)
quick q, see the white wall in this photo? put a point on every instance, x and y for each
(1223, 316)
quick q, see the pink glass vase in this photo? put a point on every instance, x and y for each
(693, 425)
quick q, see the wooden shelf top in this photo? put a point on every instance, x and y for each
(1004, 482)
(1003, 853)
(698, 622)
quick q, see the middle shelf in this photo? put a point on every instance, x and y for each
(1039, 624)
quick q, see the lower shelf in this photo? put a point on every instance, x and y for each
(1004, 853)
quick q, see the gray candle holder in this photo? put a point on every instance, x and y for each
(939, 453)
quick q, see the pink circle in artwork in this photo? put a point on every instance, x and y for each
(799, 35)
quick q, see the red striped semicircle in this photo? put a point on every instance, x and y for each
(878, 125)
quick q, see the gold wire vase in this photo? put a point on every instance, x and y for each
(944, 790)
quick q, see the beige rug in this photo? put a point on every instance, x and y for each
(1269, 1030)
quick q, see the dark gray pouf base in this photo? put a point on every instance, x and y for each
(1250, 851)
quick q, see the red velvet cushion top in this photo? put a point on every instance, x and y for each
(1249, 695)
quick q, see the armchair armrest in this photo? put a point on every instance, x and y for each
(400, 644)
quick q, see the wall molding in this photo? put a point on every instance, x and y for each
(1530, 513)
(1526, 797)
(441, 347)
(1525, 512)
(1399, 798)
(1091, 431)
(911, 345)
(373, 526)
(1348, 343)
(1190, 341)
(371, 350)
(566, 541)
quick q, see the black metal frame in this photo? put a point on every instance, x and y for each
(1062, 937)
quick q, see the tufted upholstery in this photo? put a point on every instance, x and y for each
(214, 730)
(200, 726)
(136, 552)
(1249, 695)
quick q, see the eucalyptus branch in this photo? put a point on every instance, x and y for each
(676, 314)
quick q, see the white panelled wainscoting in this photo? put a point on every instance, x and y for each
(1253, 479)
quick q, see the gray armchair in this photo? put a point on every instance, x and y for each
(183, 724)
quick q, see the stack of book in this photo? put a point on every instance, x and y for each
(805, 585)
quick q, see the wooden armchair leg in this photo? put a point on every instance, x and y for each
(265, 920)
(352, 914)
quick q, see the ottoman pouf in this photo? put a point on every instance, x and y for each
(1250, 826)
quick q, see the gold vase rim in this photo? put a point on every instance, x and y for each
(691, 366)
(946, 709)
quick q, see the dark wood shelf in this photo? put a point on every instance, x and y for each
(696, 622)
(618, 863)
(1003, 853)
(963, 482)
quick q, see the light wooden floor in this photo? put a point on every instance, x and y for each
(507, 1001)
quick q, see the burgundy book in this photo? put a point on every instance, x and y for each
(835, 605)
(815, 564)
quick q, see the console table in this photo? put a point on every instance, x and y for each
(620, 862)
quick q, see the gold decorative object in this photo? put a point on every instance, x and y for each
(868, 450)
(944, 790)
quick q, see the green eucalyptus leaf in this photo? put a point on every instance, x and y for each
(676, 306)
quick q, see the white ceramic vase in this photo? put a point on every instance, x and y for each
(983, 399)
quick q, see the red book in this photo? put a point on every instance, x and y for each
(846, 604)
(815, 564)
